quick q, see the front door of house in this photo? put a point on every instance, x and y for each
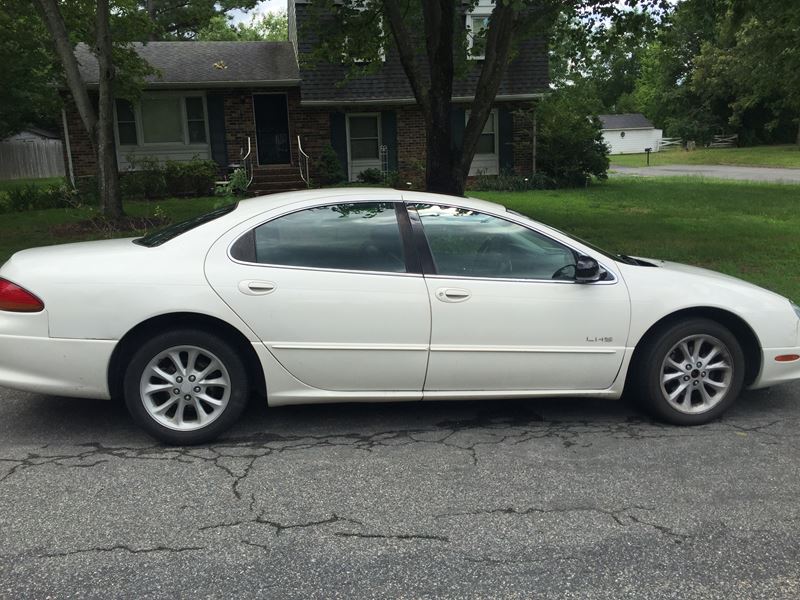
(272, 129)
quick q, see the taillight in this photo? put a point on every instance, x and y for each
(16, 299)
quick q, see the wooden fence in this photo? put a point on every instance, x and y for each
(31, 159)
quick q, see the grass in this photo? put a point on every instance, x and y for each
(29, 229)
(744, 229)
(758, 156)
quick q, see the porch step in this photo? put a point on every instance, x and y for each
(271, 180)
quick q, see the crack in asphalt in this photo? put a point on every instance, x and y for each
(237, 457)
(123, 548)
(618, 515)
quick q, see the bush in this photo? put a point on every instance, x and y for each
(328, 169)
(508, 182)
(33, 197)
(236, 186)
(193, 178)
(149, 179)
(372, 176)
(570, 148)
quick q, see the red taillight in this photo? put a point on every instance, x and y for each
(16, 299)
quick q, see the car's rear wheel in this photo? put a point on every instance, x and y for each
(186, 387)
(690, 372)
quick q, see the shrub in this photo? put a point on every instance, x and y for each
(328, 169)
(372, 176)
(236, 186)
(570, 148)
(33, 197)
(193, 178)
(508, 182)
(144, 180)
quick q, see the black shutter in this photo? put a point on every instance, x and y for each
(505, 132)
(457, 124)
(215, 104)
(339, 137)
(389, 136)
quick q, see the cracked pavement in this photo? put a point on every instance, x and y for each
(563, 498)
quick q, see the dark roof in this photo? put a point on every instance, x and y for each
(208, 63)
(625, 121)
(527, 75)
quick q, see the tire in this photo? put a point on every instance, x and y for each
(211, 379)
(699, 394)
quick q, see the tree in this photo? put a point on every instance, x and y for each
(431, 43)
(27, 71)
(184, 19)
(100, 130)
(758, 63)
(271, 27)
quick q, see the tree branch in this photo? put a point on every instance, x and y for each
(54, 21)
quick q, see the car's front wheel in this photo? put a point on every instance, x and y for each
(186, 387)
(690, 372)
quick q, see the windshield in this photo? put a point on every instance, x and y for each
(165, 234)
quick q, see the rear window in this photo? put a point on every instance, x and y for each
(160, 236)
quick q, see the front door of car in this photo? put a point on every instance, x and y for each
(329, 291)
(506, 312)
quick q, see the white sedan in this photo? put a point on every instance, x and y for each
(378, 295)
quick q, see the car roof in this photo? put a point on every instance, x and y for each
(255, 206)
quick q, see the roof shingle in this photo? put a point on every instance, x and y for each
(625, 121)
(208, 63)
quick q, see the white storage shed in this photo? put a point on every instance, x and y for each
(629, 133)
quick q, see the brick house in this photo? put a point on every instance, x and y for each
(215, 100)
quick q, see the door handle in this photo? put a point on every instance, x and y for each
(256, 288)
(453, 294)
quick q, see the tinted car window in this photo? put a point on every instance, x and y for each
(467, 243)
(355, 237)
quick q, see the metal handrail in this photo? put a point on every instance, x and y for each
(303, 160)
(247, 160)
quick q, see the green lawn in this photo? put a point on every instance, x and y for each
(758, 156)
(740, 228)
(744, 229)
(20, 230)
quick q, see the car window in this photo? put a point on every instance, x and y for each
(355, 237)
(467, 243)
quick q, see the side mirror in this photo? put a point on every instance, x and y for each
(587, 270)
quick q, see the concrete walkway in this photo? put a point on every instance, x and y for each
(768, 174)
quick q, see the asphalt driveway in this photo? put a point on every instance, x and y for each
(523, 499)
(766, 174)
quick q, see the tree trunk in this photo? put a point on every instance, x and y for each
(107, 171)
(798, 134)
(54, 22)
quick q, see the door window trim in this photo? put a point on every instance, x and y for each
(412, 263)
(432, 273)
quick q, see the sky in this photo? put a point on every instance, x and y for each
(265, 6)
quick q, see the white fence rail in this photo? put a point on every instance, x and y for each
(669, 143)
(31, 159)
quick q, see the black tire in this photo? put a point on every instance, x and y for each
(647, 388)
(223, 351)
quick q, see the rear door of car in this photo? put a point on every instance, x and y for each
(333, 292)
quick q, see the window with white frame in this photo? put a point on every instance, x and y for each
(477, 22)
(486, 160)
(487, 142)
(176, 119)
